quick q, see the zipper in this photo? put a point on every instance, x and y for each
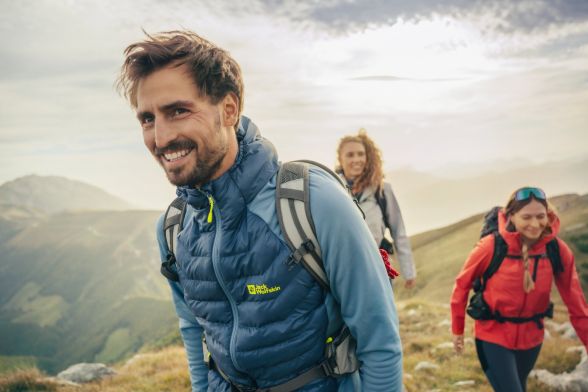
(211, 203)
(215, 213)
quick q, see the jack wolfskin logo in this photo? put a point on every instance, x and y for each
(261, 289)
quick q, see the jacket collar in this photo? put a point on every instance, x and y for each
(255, 165)
(362, 196)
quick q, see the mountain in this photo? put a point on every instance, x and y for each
(14, 218)
(439, 254)
(81, 286)
(53, 194)
(429, 202)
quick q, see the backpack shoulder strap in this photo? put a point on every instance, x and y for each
(172, 225)
(336, 177)
(381, 200)
(295, 217)
(326, 169)
(293, 208)
(500, 251)
(554, 256)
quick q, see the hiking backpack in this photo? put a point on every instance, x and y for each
(478, 309)
(294, 216)
(295, 219)
(385, 244)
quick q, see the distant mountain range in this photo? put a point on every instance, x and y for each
(53, 194)
(79, 281)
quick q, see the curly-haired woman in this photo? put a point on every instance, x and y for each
(360, 164)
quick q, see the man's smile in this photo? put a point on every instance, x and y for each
(174, 156)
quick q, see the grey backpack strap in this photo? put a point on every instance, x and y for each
(336, 177)
(325, 168)
(172, 225)
(293, 208)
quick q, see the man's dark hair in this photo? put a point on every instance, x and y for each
(213, 70)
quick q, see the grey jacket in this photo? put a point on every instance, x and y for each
(375, 221)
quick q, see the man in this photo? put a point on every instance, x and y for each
(188, 95)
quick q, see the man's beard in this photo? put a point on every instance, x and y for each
(201, 173)
(207, 161)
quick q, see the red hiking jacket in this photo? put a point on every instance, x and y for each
(504, 290)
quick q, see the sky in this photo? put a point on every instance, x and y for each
(442, 87)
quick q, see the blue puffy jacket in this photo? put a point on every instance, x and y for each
(265, 321)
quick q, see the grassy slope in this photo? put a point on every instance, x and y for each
(73, 283)
(423, 328)
(156, 371)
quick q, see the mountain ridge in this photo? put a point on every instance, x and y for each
(51, 194)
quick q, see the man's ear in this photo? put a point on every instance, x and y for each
(230, 110)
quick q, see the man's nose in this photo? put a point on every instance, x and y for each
(164, 133)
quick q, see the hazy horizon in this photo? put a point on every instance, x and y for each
(428, 200)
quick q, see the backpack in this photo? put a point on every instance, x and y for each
(385, 244)
(295, 218)
(478, 309)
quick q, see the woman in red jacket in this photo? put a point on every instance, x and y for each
(518, 291)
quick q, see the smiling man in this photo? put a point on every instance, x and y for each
(265, 321)
(191, 147)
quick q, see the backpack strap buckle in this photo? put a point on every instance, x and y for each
(298, 255)
(328, 367)
(167, 268)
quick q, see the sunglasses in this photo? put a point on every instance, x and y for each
(527, 192)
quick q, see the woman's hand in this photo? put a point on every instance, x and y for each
(458, 344)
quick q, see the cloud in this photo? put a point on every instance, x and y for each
(391, 78)
(347, 16)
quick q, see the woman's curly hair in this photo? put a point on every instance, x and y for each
(372, 175)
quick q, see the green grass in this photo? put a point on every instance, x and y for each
(9, 364)
(117, 344)
(75, 281)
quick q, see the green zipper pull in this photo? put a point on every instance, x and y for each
(211, 202)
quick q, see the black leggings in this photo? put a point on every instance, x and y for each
(507, 370)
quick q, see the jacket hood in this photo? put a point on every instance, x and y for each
(513, 238)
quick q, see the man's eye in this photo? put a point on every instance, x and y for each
(179, 111)
(146, 120)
